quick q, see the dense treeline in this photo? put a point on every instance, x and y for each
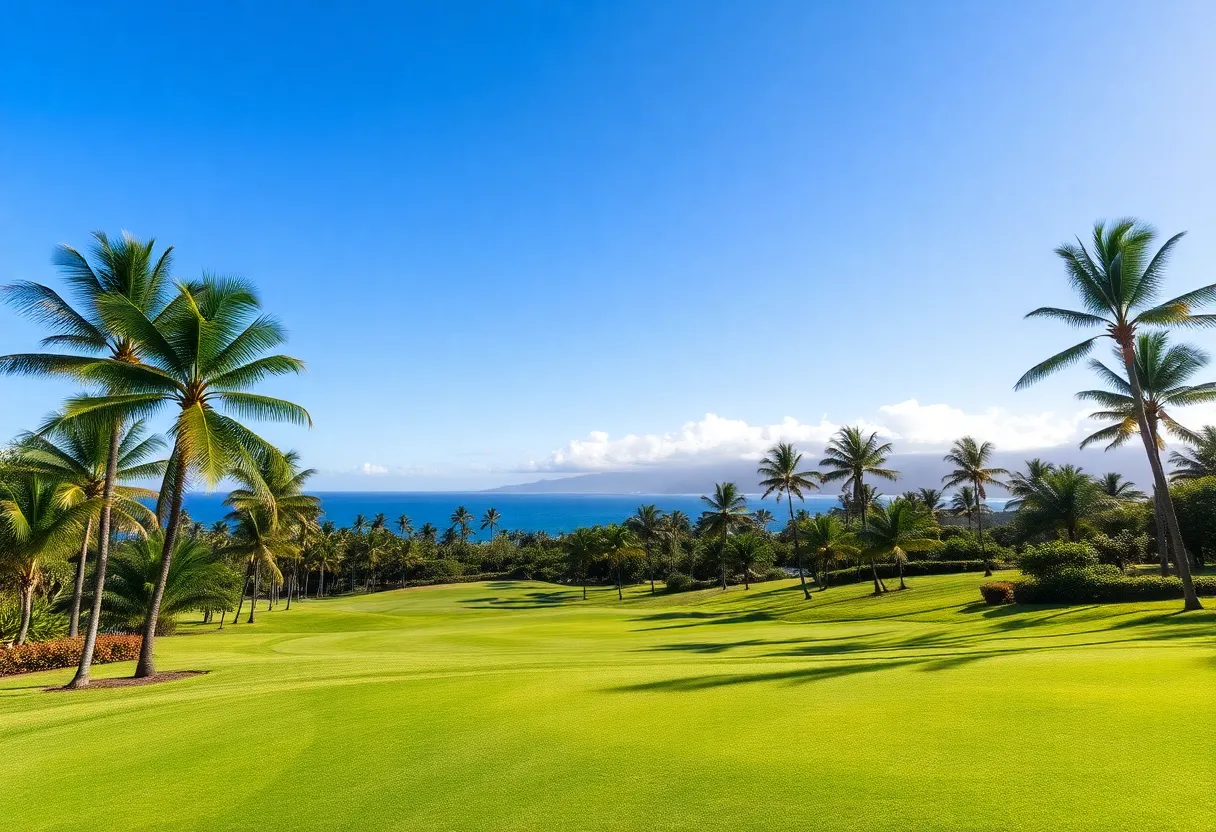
(86, 547)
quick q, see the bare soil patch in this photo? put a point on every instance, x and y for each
(127, 682)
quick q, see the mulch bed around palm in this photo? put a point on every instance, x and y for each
(127, 682)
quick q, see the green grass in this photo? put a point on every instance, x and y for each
(510, 706)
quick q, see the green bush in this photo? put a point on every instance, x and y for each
(440, 570)
(966, 546)
(45, 622)
(774, 573)
(1104, 584)
(1195, 504)
(1049, 558)
(997, 592)
(1121, 550)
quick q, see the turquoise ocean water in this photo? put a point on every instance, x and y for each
(553, 513)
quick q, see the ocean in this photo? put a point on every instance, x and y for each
(553, 513)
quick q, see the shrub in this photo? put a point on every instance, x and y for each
(997, 592)
(1121, 550)
(966, 546)
(1195, 504)
(441, 571)
(1049, 558)
(65, 652)
(679, 582)
(45, 622)
(1104, 584)
(774, 573)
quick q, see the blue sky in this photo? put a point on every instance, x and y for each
(500, 231)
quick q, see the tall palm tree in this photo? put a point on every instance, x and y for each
(619, 542)
(727, 512)
(763, 518)
(490, 520)
(583, 547)
(894, 531)
(931, 498)
(1115, 486)
(1119, 282)
(380, 521)
(1201, 462)
(428, 532)
(829, 541)
(970, 460)
(199, 353)
(1061, 501)
(405, 527)
(462, 519)
(35, 527)
(360, 524)
(782, 477)
(674, 527)
(646, 523)
(126, 271)
(851, 455)
(75, 454)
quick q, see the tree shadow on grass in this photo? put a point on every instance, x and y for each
(792, 676)
(529, 600)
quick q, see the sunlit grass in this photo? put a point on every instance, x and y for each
(516, 705)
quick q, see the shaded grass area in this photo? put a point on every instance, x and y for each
(516, 705)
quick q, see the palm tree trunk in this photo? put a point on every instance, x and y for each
(81, 679)
(146, 665)
(27, 610)
(291, 580)
(1190, 599)
(236, 619)
(789, 500)
(902, 585)
(1163, 552)
(874, 571)
(979, 523)
(650, 566)
(253, 594)
(321, 586)
(78, 590)
(619, 595)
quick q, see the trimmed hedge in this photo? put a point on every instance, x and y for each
(1104, 584)
(65, 652)
(461, 579)
(912, 569)
(998, 592)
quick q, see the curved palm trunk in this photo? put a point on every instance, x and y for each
(650, 566)
(81, 679)
(619, 595)
(78, 590)
(321, 586)
(1190, 599)
(1163, 551)
(253, 593)
(878, 588)
(146, 665)
(806, 593)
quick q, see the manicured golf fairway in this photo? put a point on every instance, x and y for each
(517, 706)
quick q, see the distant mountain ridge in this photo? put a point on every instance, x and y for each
(917, 470)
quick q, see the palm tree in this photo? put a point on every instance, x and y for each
(619, 542)
(1060, 501)
(490, 520)
(360, 524)
(583, 547)
(970, 460)
(852, 455)
(763, 518)
(930, 498)
(75, 454)
(1123, 490)
(1202, 460)
(646, 524)
(462, 518)
(272, 515)
(966, 504)
(727, 512)
(894, 531)
(428, 532)
(829, 541)
(198, 354)
(198, 579)
(35, 527)
(380, 521)
(779, 469)
(125, 271)
(405, 527)
(748, 549)
(1118, 283)
(673, 528)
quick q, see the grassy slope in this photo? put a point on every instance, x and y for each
(517, 706)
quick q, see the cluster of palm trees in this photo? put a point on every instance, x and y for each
(138, 342)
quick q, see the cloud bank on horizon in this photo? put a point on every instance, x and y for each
(915, 427)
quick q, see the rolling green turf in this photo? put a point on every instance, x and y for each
(512, 706)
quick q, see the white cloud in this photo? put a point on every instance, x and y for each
(373, 470)
(911, 425)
